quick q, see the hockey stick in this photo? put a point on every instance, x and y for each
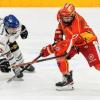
(41, 60)
(51, 58)
(34, 61)
(9, 80)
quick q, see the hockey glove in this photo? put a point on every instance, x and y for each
(24, 32)
(46, 51)
(4, 65)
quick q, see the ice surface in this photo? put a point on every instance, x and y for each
(41, 23)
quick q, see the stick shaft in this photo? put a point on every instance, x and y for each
(31, 62)
(51, 58)
(41, 60)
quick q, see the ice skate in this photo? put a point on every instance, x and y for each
(17, 72)
(66, 84)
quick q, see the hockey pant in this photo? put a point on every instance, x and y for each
(14, 54)
(90, 51)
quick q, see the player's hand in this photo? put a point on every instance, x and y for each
(46, 51)
(24, 32)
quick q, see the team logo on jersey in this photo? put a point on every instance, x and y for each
(57, 48)
(91, 57)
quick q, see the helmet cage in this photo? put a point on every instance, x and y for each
(13, 30)
(67, 13)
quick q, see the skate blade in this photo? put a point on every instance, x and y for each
(65, 88)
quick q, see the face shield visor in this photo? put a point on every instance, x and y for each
(67, 19)
(13, 31)
(67, 14)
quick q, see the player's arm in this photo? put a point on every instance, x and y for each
(64, 45)
(49, 49)
(58, 34)
(87, 34)
(24, 32)
(59, 48)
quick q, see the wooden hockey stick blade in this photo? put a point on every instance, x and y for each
(12, 78)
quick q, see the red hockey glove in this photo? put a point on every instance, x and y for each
(46, 51)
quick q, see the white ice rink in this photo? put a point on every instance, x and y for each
(41, 23)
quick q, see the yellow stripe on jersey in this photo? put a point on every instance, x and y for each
(88, 37)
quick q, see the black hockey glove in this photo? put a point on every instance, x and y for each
(24, 32)
(4, 65)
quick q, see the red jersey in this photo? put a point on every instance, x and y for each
(78, 31)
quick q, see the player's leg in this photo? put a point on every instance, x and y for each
(18, 56)
(10, 57)
(92, 54)
(67, 82)
(74, 50)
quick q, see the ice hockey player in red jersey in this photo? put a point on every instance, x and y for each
(72, 36)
